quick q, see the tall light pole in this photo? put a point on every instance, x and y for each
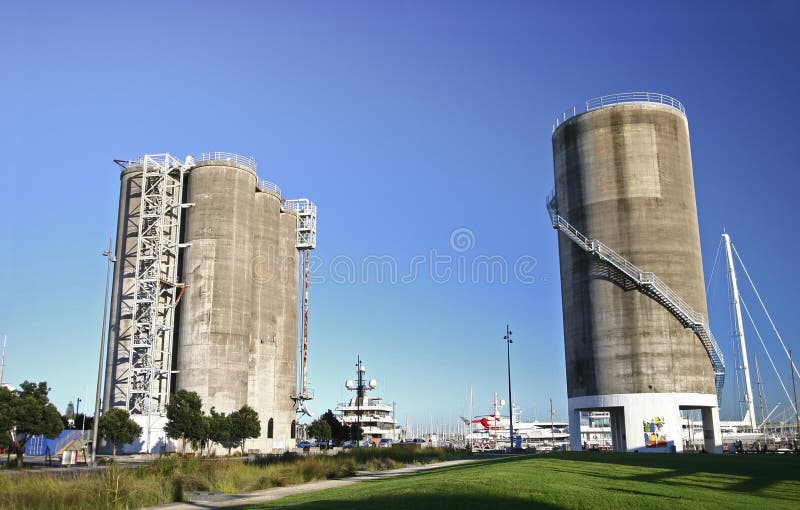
(110, 261)
(509, 341)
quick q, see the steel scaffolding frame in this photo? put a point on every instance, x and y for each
(156, 291)
(306, 241)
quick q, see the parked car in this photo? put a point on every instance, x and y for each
(350, 444)
(307, 444)
(385, 443)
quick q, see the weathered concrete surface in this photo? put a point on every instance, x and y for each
(266, 288)
(281, 492)
(286, 374)
(214, 331)
(120, 324)
(624, 176)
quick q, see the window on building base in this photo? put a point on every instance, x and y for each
(269, 428)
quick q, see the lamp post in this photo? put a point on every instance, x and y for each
(509, 341)
(110, 261)
(77, 412)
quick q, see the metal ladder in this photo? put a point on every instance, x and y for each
(651, 285)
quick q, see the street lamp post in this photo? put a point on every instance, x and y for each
(509, 341)
(110, 261)
(77, 412)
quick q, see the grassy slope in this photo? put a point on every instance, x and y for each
(579, 480)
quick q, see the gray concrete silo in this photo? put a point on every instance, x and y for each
(266, 299)
(214, 330)
(120, 327)
(286, 379)
(623, 174)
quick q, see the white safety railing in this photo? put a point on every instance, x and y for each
(269, 186)
(625, 97)
(247, 161)
(650, 284)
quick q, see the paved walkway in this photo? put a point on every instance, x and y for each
(219, 500)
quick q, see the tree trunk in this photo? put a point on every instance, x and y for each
(20, 447)
(243, 440)
(114, 451)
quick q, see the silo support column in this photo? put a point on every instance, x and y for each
(712, 437)
(575, 444)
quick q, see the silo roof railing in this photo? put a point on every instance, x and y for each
(625, 97)
(248, 161)
(269, 186)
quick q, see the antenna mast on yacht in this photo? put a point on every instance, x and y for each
(751, 414)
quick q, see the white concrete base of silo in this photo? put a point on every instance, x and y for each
(153, 439)
(648, 422)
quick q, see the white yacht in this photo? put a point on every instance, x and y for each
(375, 418)
(491, 431)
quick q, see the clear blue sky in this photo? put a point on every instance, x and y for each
(404, 121)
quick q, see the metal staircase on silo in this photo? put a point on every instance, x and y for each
(651, 285)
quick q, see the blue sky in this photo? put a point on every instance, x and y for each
(408, 123)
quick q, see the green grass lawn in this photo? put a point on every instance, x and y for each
(578, 480)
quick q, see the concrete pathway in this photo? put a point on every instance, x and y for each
(219, 500)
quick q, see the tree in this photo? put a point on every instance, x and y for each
(219, 428)
(244, 425)
(6, 419)
(185, 418)
(29, 413)
(355, 432)
(338, 431)
(320, 430)
(116, 426)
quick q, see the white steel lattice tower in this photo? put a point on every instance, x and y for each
(155, 292)
(306, 241)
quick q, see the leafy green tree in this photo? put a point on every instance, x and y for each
(338, 431)
(6, 418)
(219, 428)
(185, 418)
(320, 429)
(244, 425)
(354, 432)
(116, 426)
(30, 413)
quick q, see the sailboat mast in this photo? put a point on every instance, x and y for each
(761, 403)
(3, 360)
(794, 389)
(751, 413)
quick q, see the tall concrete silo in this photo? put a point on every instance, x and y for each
(120, 330)
(636, 337)
(214, 330)
(286, 380)
(265, 308)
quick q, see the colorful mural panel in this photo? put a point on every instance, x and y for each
(654, 434)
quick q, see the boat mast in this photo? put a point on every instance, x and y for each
(794, 388)
(751, 413)
(761, 403)
(3, 360)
